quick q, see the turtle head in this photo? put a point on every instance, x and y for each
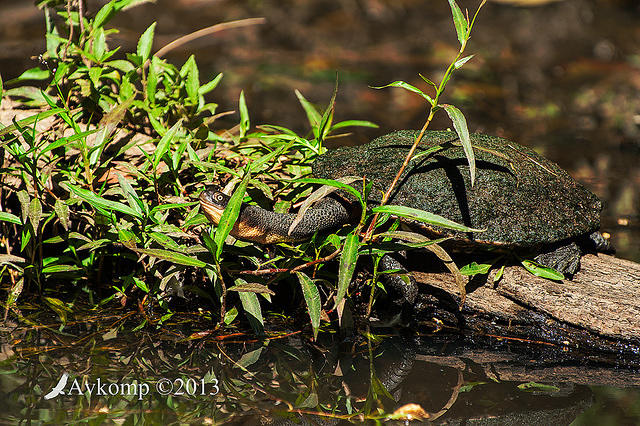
(213, 202)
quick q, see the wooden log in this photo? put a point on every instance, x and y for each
(599, 308)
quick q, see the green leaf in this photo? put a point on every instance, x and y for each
(99, 45)
(358, 123)
(475, 268)
(206, 88)
(533, 386)
(312, 297)
(327, 116)
(251, 306)
(313, 116)
(542, 271)
(172, 256)
(164, 144)
(145, 43)
(408, 87)
(98, 202)
(460, 124)
(58, 307)
(10, 259)
(460, 62)
(230, 215)
(423, 216)
(193, 80)
(23, 197)
(30, 120)
(104, 14)
(132, 197)
(230, 315)
(337, 184)
(245, 124)
(35, 213)
(11, 218)
(348, 259)
(62, 211)
(460, 22)
(251, 288)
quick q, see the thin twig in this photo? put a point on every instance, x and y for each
(290, 270)
(208, 31)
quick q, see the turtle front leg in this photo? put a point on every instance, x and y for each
(564, 258)
(402, 283)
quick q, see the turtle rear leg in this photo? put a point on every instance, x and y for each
(564, 258)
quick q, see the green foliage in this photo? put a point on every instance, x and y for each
(83, 195)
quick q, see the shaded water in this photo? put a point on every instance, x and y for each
(563, 78)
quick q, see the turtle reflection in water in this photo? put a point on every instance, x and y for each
(523, 202)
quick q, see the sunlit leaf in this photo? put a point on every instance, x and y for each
(230, 215)
(460, 124)
(408, 87)
(11, 218)
(98, 202)
(474, 268)
(245, 123)
(460, 22)
(165, 143)
(313, 116)
(145, 43)
(460, 62)
(542, 271)
(62, 211)
(423, 216)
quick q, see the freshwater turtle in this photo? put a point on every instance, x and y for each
(522, 201)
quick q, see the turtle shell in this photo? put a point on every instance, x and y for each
(519, 197)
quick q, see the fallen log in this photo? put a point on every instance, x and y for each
(598, 309)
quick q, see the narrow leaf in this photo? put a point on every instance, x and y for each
(542, 271)
(62, 211)
(313, 116)
(474, 268)
(164, 144)
(460, 124)
(251, 306)
(408, 87)
(98, 202)
(145, 42)
(11, 218)
(312, 297)
(230, 215)
(423, 216)
(245, 123)
(460, 22)
(251, 288)
(460, 62)
(348, 260)
(172, 256)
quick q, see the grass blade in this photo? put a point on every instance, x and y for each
(100, 203)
